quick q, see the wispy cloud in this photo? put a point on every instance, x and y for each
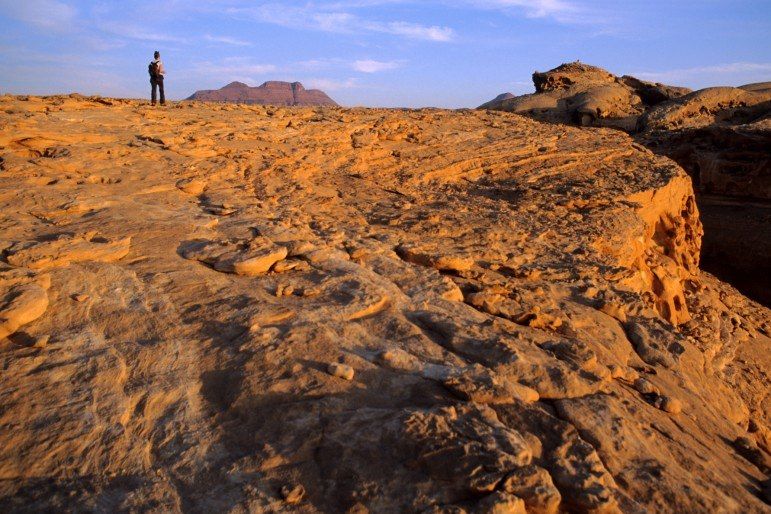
(569, 12)
(333, 18)
(338, 64)
(319, 64)
(233, 68)
(331, 84)
(532, 8)
(45, 14)
(413, 30)
(370, 66)
(226, 40)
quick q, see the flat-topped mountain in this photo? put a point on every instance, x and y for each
(269, 93)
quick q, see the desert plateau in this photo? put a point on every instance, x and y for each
(269, 93)
(218, 307)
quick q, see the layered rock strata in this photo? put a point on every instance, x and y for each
(721, 136)
(352, 310)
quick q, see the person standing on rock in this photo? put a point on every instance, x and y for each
(156, 77)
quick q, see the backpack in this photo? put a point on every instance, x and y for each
(152, 69)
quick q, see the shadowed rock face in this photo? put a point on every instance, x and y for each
(239, 308)
(721, 136)
(737, 243)
(269, 93)
(654, 93)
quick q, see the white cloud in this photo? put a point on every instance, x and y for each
(331, 84)
(319, 64)
(232, 68)
(370, 66)
(338, 64)
(332, 18)
(226, 40)
(561, 11)
(415, 31)
(533, 8)
(44, 14)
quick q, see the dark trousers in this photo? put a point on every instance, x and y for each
(157, 83)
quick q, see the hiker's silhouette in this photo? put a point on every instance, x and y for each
(156, 77)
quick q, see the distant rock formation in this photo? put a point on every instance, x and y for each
(757, 87)
(269, 93)
(581, 94)
(501, 98)
(721, 136)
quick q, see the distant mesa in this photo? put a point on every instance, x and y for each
(269, 93)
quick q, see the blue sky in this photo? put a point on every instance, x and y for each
(376, 52)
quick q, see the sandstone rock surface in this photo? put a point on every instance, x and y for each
(521, 302)
(585, 95)
(721, 136)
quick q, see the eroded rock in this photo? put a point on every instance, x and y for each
(485, 275)
(241, 257)
(23, 299)
(585, 95)
(340, 371)
(64, 249)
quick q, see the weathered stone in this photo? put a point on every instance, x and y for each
(644, 386)
(293, 495)
(20, 305)
(340, 371)
(671, 405)
(534, 485)
(500, 503)
(65, 249)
